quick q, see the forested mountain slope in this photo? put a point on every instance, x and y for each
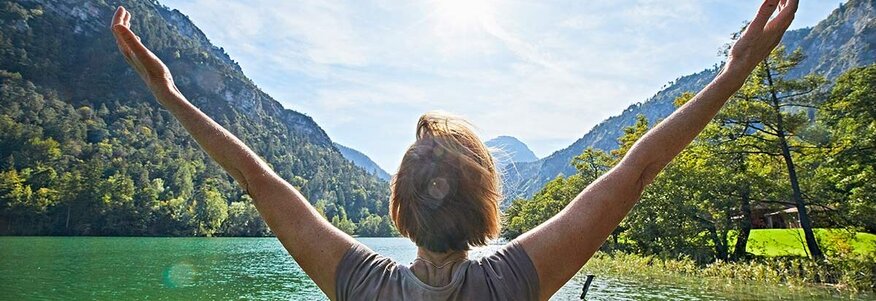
(844, 40)
(86, 150)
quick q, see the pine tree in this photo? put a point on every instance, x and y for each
(774, 111)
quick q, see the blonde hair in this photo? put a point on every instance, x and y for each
(445, 195)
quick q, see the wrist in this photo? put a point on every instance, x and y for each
(163, 90)
(734, 73)
(164, 84)
(738, 66)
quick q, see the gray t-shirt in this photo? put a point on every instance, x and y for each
(506, 275)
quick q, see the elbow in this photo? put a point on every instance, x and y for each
(649, 173)
(646, 169)
(241, 180)
(246, 178)
(257, 182)
(250, 173)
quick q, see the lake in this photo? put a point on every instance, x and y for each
(157, 268)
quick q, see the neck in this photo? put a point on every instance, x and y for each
(437, 269)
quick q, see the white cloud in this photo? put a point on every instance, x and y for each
(545, 71)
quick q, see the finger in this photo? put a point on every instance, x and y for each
(784, 18)
(125, 36)
(127, 55)
(127, 19)
(124, 49)
(764, 13)
(117, 18)
(128, 58)
(786, 15)
(132, 60)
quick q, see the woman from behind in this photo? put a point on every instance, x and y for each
(445, 194)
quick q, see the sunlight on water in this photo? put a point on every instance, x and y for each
(120, 268)
(179, 275)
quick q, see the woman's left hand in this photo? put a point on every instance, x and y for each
(147, 64)
(762, 34)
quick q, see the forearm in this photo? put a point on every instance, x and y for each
(668, 138)
(223, 147)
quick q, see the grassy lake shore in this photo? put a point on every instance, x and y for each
(791, 277)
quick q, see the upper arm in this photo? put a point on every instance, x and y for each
(560, 246)
(315, 244)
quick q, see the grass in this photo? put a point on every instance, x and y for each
(793, 276)
(780, 261)
(790, 242)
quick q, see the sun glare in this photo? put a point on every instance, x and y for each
(463, 14)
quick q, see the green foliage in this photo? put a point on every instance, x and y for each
(849, 164)
(244, 220)
(212, 210)
(523, 215)
(769, 117)
(701, 206)
(342, 222)
(376, 226)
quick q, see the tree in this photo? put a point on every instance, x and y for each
(373, 225)
(669, 219)
(211, 211)
(244, 220)
(773, 110)
(523, 215)
(343, 223)
(850, 162)
(735, 174)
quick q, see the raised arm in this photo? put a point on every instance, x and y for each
(315, 244)
(561, 246)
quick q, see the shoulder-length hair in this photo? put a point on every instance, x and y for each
(445, 195)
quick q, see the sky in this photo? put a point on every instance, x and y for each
(544, 72)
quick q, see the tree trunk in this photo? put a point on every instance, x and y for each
(805, 222)
(739, 251)
(720, 246)
(67, 221)
(725, 247)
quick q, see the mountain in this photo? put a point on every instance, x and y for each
(507, 149)
(844, 40)
(363, 161)
(86, 150)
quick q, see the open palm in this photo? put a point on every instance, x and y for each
(763, 34)
(147, 64)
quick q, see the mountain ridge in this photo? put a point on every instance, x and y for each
(362, 160)
(506, 150)
(851, 26)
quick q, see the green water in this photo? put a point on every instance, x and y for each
(123, 268)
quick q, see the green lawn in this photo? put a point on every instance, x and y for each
(783, 242)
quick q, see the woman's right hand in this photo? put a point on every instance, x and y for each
(147, 64)
(762, 34)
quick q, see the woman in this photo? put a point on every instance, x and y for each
(445, 194)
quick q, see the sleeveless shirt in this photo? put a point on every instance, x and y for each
(508, 274)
